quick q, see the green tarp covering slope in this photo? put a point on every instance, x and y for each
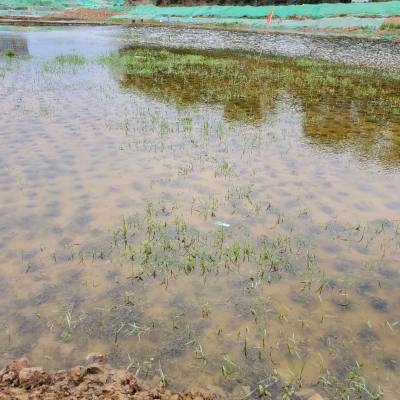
(385, 9)
(62, 4)
(285, 25)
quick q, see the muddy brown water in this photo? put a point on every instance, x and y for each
(80, 152)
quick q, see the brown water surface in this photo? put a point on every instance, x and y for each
(208, 233)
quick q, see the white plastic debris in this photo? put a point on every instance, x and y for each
(223, 224)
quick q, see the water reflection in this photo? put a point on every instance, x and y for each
(343, 110)
(342, 124)
(16, 44)
(293, 276)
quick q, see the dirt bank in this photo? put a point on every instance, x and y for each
(95, 380)
(84, 14)
(392, 23)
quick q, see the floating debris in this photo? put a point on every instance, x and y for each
(223, 224)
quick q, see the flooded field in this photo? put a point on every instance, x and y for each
(375, 53)
(210, 219)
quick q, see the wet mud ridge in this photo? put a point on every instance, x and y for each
(92, 381)
(374, 53)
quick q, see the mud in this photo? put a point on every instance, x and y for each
(95, 380)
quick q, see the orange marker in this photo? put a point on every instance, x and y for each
(269, 19)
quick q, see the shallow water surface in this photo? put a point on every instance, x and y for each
(224, 234)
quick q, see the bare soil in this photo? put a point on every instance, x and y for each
(392, 24)
(84, 14)
(393, 20)
(95, 380)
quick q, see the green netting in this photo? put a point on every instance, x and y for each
(62, 4)
(286, 25)
(148, 11)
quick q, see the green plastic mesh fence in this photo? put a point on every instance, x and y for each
(149, 11)
(38, 6)
(284, 25)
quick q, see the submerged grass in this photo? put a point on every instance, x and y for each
(249, 86)
(3, 71)
(10, 54)
(352, 385)
(217, 73)
(63, 63)
(10, 60)
(391, 26)
(231, 240)
(71, 59)
(159, 245)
